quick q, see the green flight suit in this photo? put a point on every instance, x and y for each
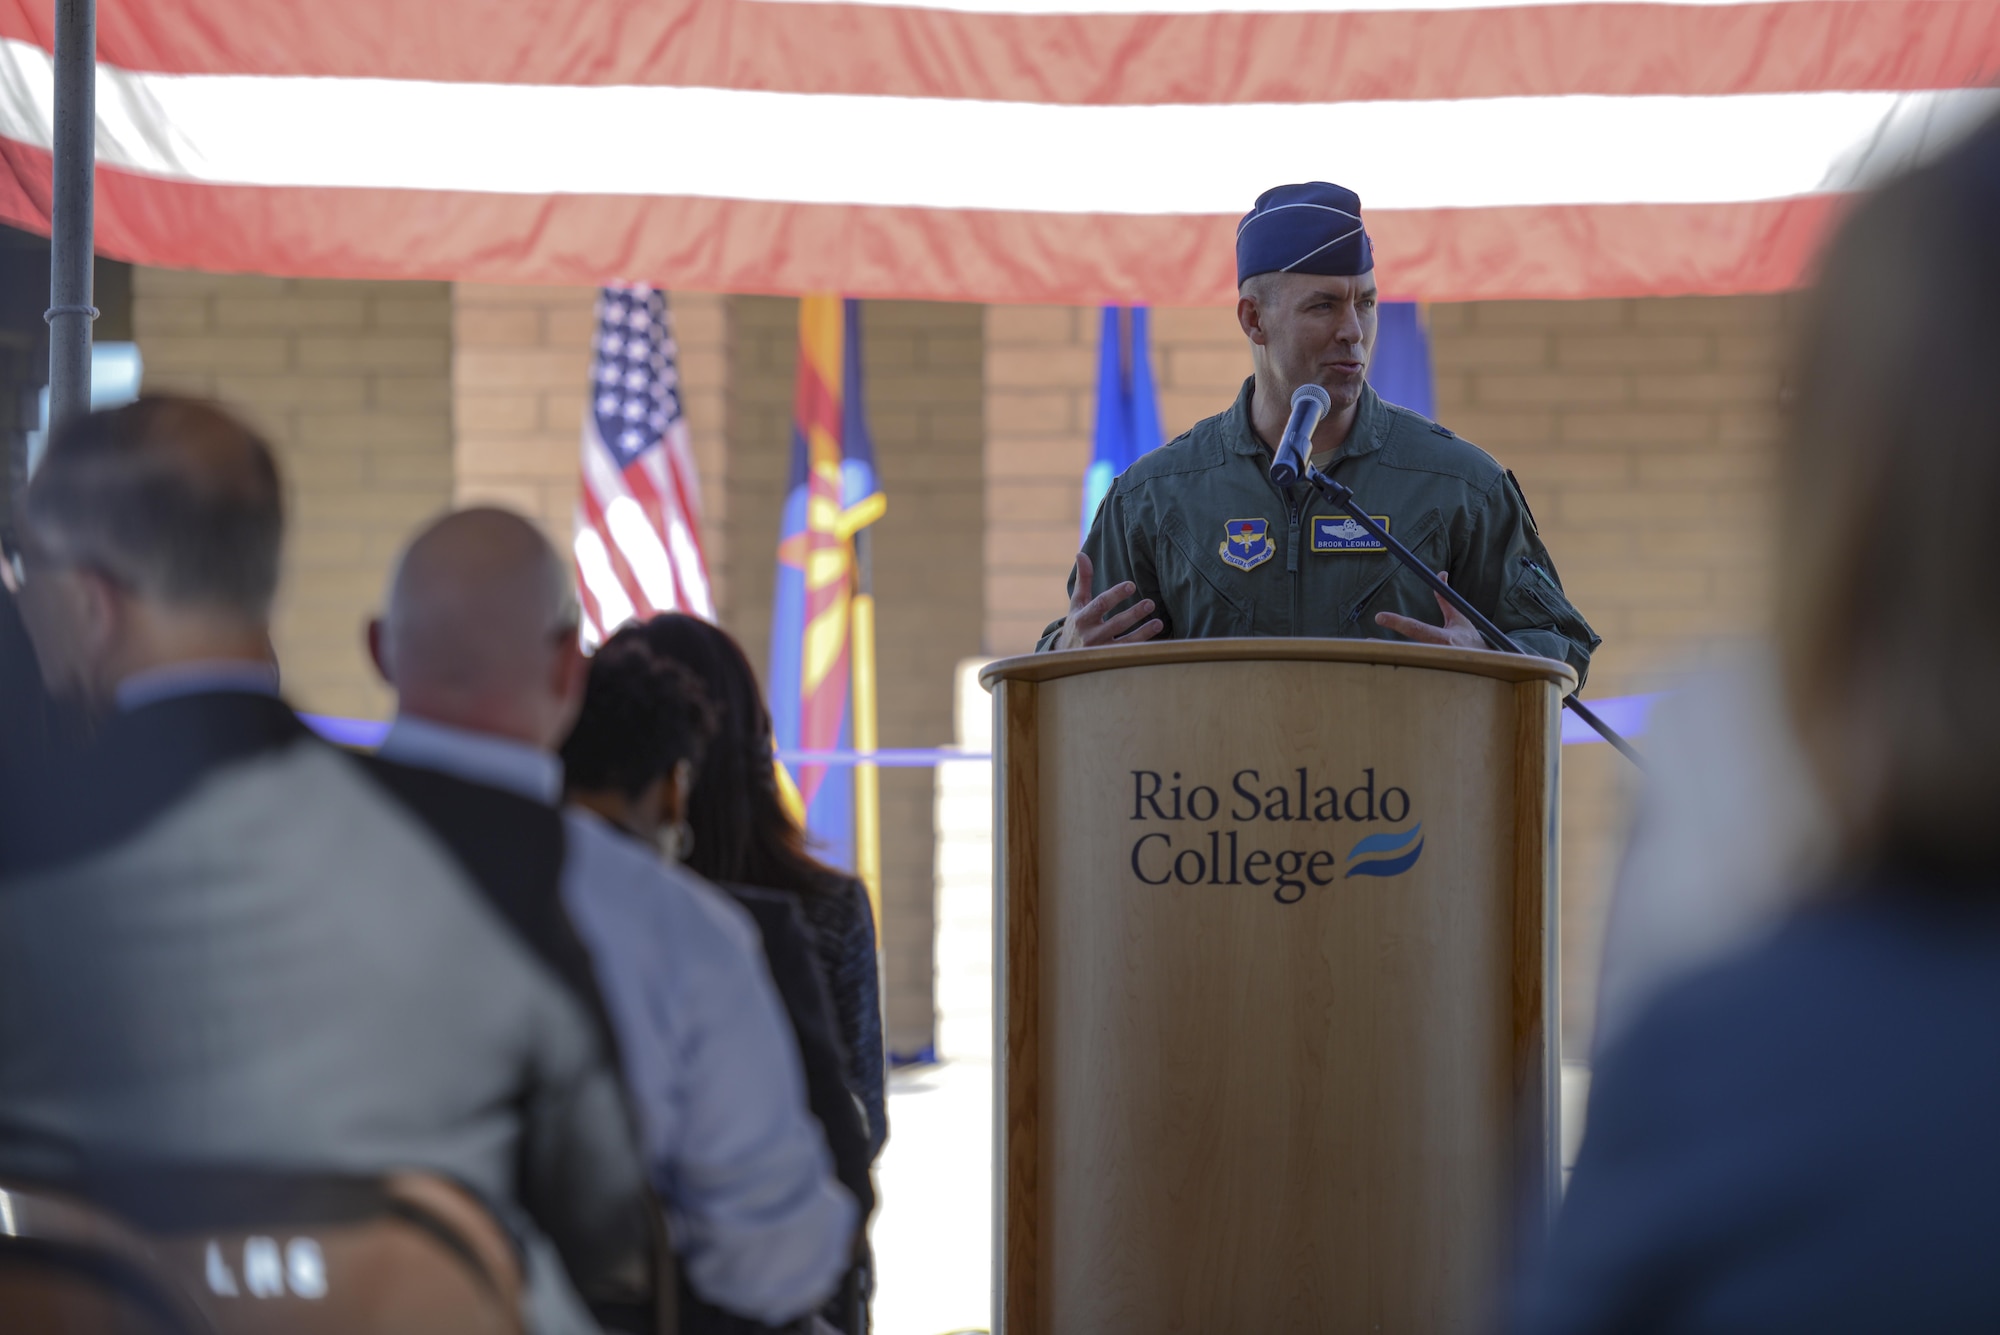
(1199, 527)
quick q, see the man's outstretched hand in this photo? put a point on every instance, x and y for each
(1456, 630)
(1087, 626)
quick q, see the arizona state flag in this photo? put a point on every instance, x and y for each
(832, 494)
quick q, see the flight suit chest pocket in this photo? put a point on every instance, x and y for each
(1369, 581)
(1207, 596)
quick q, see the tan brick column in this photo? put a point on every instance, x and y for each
(1643, 433)
(351, 381)
(1041, 383)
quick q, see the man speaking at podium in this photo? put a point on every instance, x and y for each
(1195, 540)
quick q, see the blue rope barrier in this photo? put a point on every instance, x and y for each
(1626, 713)
(909, 757)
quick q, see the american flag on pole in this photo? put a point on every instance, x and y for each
(638, 510)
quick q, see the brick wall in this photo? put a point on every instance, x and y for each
(924, 369)
(520, 382)
(1641, 431)
(1643, 435)
(351, 382)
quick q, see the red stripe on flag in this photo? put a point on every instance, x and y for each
(1692, 50)
(685, 486)
(638, 480)
(1600, 250)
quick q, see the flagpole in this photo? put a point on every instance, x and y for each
(70, 216)
(867, 781)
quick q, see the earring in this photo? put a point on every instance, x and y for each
(676, 841)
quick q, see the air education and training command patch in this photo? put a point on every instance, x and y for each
(1246, 543)
(1339, 533)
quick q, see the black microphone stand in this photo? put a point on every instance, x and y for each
(1343, 495)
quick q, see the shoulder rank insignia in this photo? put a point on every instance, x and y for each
(1339, 533)
(1246, 543)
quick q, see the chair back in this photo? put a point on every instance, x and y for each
(261, 1252)
(70, 1268)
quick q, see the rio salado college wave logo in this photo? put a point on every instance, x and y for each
(1387, 854)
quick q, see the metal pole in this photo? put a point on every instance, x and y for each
(71, 222)
(867, 780)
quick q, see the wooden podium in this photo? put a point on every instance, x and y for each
(1274, 934)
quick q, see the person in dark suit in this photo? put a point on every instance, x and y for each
(226, 946)
(37, 731)
(640, 740)
(741, 834)
(1802, 1138)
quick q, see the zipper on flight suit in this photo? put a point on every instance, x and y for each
(1361, 605)
(1548, 594)
(1291, 547)
(1292, 551)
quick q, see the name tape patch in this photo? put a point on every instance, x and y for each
(1340, 533)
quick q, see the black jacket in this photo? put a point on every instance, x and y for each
(790, 950)
(1799, 1140)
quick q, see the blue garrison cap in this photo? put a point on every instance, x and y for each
(1309, 228)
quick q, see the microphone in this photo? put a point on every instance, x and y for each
(1309, 404)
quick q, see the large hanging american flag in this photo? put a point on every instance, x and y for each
(1078, 151)
(638, 510)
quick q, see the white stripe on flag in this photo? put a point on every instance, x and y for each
(600, 494)
(595, 563)
(945, 153)
(644, 552)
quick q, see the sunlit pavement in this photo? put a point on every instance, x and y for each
(933, 1234)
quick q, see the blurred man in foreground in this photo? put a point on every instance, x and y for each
(1801, 1138)
(479, 640)
(230, 946)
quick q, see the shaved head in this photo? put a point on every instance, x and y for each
(479, 627)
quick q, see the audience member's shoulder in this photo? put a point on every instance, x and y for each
(148, 762)
(269, 816)
(834, 896)
(1790, 999)
(615, 865)
(512, 846)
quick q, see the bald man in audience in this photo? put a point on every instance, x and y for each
(228, 948)
(480, 642)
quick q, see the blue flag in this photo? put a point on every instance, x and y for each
(1401, 367)
(1128, 410)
